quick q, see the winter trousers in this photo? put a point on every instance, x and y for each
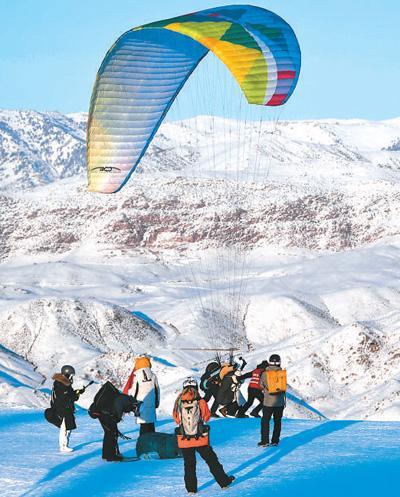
(147, 428)
(268, 412)
(110, 440)
(212, 391)
(63, 437)
(253, 394)
(210, 457)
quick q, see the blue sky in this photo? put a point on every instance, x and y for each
(50, 51)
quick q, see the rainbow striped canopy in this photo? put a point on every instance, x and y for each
(146, 68)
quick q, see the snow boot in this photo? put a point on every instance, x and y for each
(263, 444)
(231, 478)
(224, 412)
(66, 449)
(116, 458)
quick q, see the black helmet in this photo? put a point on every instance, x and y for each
(263, 364)
(67, 371)
(275, 360)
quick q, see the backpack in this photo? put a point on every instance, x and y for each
(211, 374)
(192, 432)
(276, 380)
(103, 400)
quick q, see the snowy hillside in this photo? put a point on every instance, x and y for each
(20, 383)
(321, 286)
(38, 148)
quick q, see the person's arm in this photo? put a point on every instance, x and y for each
(246, 376)
(74, 395)
(175, 412)
(128, 384)
(263, 382)
(204, 410)
(134, 390)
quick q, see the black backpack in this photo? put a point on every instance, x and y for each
(211, 370)
(103, 400)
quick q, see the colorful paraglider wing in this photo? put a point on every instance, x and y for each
(146, 68)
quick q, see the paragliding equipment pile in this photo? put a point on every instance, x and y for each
(254, 58)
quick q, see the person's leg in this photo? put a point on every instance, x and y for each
(63, 438)
(106, 441)
(267, 413)
(147, 428)
(216, 469)
(260, 397)
(278, 413)
(189, 460)
(232, 408)
(214, 391)
(250, 399)
(110, 439)
(214, 407)
(207, 395)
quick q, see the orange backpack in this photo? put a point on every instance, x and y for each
(276, 380)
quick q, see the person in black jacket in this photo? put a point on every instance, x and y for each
(62, 401)
(109, 415)
(210, 383)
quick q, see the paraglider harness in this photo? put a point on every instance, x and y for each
(51, 414)
(102, 402)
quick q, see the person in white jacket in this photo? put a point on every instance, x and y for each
(143, 386)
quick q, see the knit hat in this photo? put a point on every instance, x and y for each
(142, 361)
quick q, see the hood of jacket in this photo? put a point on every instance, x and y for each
(62, 379)
(142, 362)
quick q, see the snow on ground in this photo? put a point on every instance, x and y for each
(330, 458)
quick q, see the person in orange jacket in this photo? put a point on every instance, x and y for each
(191, 412)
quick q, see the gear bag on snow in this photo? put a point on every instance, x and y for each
(276, 380)
(164, 444)
(103, 400)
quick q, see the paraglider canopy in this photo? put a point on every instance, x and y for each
(147, 67)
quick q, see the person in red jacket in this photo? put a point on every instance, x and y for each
(190, 413)
(254, 391)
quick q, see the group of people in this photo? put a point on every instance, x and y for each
(267, 386)
(141, 396)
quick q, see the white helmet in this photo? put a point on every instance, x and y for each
(190, 382)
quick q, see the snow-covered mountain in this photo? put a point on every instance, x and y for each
(314, 184)
(317, 201)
